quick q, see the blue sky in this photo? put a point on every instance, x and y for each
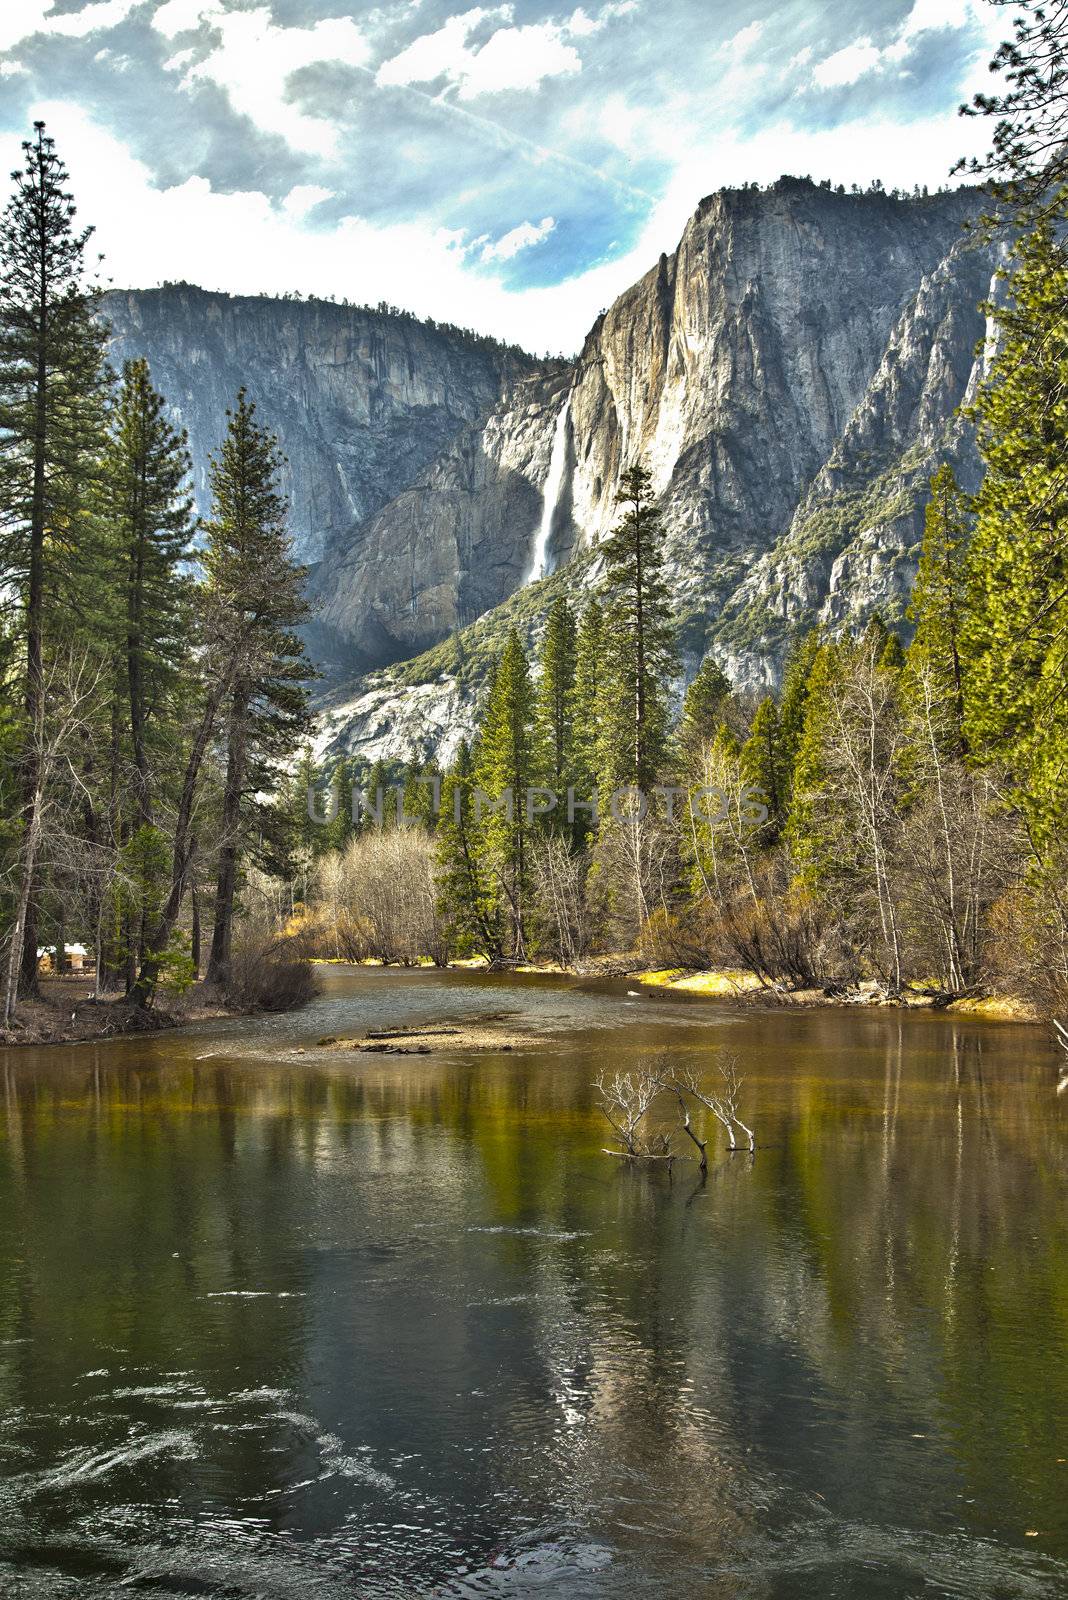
(511, 167)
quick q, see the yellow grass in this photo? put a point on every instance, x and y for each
(716, 983)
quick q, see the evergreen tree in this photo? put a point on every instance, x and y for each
(149, 524)
(462, 888)
(51, 417)
(555, 702)
(939, 598)
(504, 767)
(811, 845)
(764, 769)
(419, 793)
(586, 701)
(260, 590)
(1015, 634)
(379, 788)
(703, 710)
(792, 702)
(639, 641)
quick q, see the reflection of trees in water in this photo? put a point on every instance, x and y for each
(891, 1263)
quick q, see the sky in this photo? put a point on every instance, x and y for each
(509, 167)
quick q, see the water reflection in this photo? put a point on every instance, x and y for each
(272, 1322)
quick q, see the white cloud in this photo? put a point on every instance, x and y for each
(847, 65)
(520, 238)
(510, 59)
(744, 40)
(12, 69)
(861, 57)
(21, 20)
(304, 197)
(241, 243)
(255, 60)
(182, 16)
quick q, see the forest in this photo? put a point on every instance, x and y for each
(893, 816)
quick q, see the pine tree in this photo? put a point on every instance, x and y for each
(463, 893)
(555, 701)
(792, 702)
(1015, 633)
(149, 518)
(51, 416)
(378, 787)
(764, 769)
(811, 846)
(703, 709)
(419, 793)
(639, 641)
(586, 701)
(260, 591)
(939, 598)
(503, 770)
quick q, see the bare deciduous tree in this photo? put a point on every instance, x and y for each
(722, 1101)
(70, 689)
(625, 1101)
(560, 885)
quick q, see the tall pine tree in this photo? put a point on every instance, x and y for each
(555, 702)
(503, 771)
(260, 592)
(1015, 634)
(51, 416)
(639, 640)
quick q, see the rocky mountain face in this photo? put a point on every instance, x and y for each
(363, 402)
(791, 375)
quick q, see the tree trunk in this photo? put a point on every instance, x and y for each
(144, 989)
(194, 942)
(229, 851)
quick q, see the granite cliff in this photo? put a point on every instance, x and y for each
(790, 376)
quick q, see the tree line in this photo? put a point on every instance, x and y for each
(153, 676)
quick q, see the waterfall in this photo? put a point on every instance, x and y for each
(539, 561)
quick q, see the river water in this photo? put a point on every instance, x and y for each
(276, 1320)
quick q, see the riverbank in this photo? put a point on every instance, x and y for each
(747, 988)
(69, 1013)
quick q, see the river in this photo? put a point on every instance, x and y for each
(277, 1320)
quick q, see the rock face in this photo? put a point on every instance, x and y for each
(450, 547)
(791, 376)
(362, 401)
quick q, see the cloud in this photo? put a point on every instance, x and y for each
(862, 57)
(243, 243)
(182, 16)
(304, 197)
(510, 59)
(847, 65)
(23, 19)
(743, 41)
(521, 238)
(256, 59)
(251, 145)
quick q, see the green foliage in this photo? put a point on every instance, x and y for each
(554, 754)
(940, 599)
(503, 770)
(148, 518)
(464, 885)
(1015, 633)
(638, 640)
(703, 709)
(764, 768)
